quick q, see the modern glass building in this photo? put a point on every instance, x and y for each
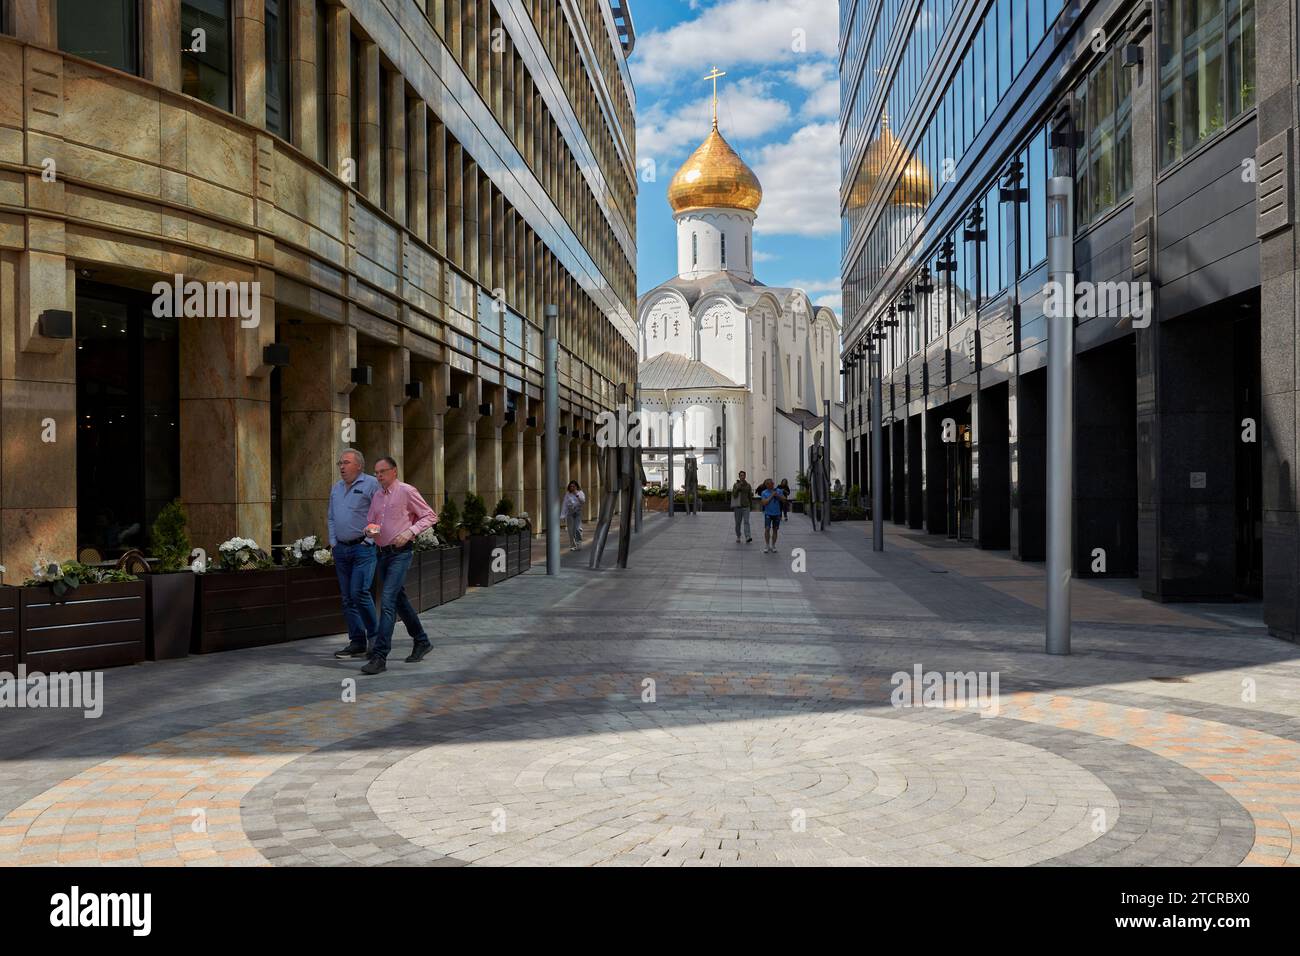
(1176, 121)
(399, 188)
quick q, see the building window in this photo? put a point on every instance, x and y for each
(695, 249)
(322, 82)
(763, 376)
(1197, 94)
(205, 74)
(747, 251)
(724, 250)
(765, 449)
(277, 67)
(106, 31)
(798, 382)
(1104, 167)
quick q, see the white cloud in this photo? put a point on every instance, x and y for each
(773, 33)
(745, 113)
(800, 179)
(760, 256)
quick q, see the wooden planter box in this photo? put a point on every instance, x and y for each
(512, 552)
(428, 565)
(654, 503)
(240, 609)
(481, 547)
(525, 550)
(313, 605)
(169, 604)
(95, 626)
(453, 572)
(11, 600)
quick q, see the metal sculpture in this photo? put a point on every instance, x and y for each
(621, 475)
(692, 485)
(819, 485)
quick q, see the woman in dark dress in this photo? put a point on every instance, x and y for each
(785, 502)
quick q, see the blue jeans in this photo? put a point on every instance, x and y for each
(355, 566)
(392, 573)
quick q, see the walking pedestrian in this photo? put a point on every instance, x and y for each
(354, 553)
(772, 498)
(742, 497)
(397, 514)
(785, 502)
(574, 502)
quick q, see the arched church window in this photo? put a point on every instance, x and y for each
(695, 248)
(724, 250)
(765, 449)
(799, 376)
(764, 377)
(747, 250)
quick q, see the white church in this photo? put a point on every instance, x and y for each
(721, 350)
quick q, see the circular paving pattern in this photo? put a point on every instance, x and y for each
(797, 788)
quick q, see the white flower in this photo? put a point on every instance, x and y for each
(323, 556)
(309, 543)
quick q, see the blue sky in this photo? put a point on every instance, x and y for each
(778, 107)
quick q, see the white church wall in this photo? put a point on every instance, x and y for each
(666, 327)
(700, 235)
(722, 344)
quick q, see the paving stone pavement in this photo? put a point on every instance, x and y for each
(710, 706)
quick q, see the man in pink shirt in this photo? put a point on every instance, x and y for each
(397, 514)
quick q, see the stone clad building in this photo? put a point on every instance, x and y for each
(409, 183)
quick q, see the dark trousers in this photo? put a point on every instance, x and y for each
(355, 566)
(393, 565)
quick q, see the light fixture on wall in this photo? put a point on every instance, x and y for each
(363, 375)
(531, 421)
(485, 409)
(276, 355)
(54, 324)
(415, 390)
(455, 400)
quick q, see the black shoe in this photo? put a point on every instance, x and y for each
(418, 652)
(376, 665)
(354, 649)
(749, 541)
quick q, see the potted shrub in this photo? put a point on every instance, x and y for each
(451, 553)
(78, 617)
(313, 607)
(427, 568)
(169, 589)
(241, 600)
(487, 544)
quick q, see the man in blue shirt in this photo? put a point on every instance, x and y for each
(772, 497)
(354, 552)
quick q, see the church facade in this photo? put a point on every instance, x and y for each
(743, 371)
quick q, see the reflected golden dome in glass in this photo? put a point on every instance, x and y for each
(915, 186)
(714, 176)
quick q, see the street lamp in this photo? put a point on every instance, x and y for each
(1060, 385)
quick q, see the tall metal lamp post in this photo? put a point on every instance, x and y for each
(1060, 387)
(552, 441)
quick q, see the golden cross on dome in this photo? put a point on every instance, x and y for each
(714, 77)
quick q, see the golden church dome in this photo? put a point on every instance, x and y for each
(915, 186)
(715, 176)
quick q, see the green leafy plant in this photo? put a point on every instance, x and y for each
(504, 507)
(449, 519)
(67, 577)
(855, 492)
(474, 516)
(171, 538)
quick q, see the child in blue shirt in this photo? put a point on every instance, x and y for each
(773, 497)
